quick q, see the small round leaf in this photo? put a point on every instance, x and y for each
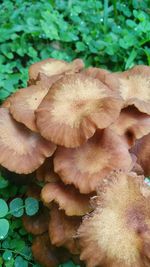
(3, 208)
(4, 228)
(19, 261)
(3, 183)
(16, 207)
(7, 255)
(31, 206)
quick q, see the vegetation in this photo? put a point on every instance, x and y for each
(110, 34)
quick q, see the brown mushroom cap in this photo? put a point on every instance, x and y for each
(43, 252)
(67, 197)
(133, 86)
(131, 125)
(142, 152)
(96, 73)
(63, 230)
(21, 150)
(46, 172)
(115, 234)
(24, 102)
(86, 165)
(51, 67)
(74, 108)
(37, 224)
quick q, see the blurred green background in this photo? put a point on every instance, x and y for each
(110, 34)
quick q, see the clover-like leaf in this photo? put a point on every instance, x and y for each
(16, 207)
(31, 206)
(4, 228)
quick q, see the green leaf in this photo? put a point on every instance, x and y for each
(4, 228)
(3, 183)
(16, 207)
(130, 60)
(31, 206)
(3, 208)
(7, 255)
(20, 262)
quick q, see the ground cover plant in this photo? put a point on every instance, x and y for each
(111, 35)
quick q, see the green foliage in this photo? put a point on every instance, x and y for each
(111, 34)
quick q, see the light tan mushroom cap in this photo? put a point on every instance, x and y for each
(24, 102)
(74, 108)
(21, 150)
(63, 230)
(86, 165)
(131, 125)
(67, 197)
(117, 233)
(51, 67)
(133, 86)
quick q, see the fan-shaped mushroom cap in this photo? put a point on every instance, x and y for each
(131, 125)
(86, 165)
(37, 224)
(96, 73)
(43, 251)
(24, 102)
(21, 150)
(51, 67)
(114, 235)
(74, 108)
(142, 152)
(46, 172)
(133, 86)
(63, 230)
(67, 197)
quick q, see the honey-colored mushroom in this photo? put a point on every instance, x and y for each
(117, 233)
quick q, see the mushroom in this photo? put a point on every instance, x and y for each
(37, 224)
(74, 108)
(52, 67)
(85, 166)
(25, 101)
(21, 150)
(131, 125)
(117, 233)
(43, 252)
(96, 73)
(63, 230)
(46, 172)
(133, 86)
(67, 197)
(142, 152)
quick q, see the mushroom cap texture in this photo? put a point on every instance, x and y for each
(96, 73)
(121, 204)
(46, 172)
(67, 197)
(142, 152)
(74, 108)
(21, 150)
(133, 86)
(131, 125)
(63, 230)
(85, 166)
(51, 67)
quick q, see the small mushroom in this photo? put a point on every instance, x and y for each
(85, 166)
(37, 224)
(25, 101)
(46, 172)
(117, 233)
(52, 67)
(133, 86)
(131, 125)
(43, 252)
(67, 197)
(21, 150)
(74, 108)
(142, 152)
(63, 230)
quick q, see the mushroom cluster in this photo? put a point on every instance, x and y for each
(85, 136)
